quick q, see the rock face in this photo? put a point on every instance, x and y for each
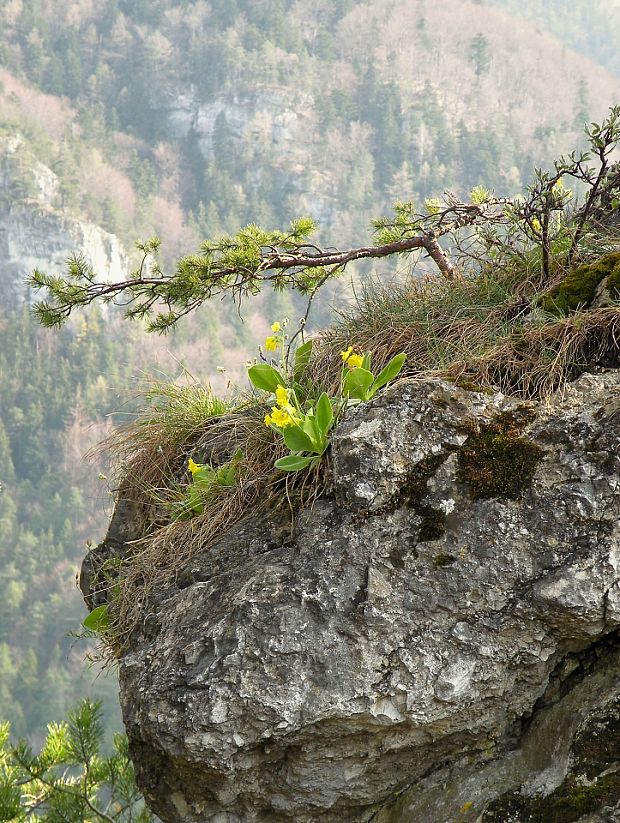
(436, 641)
(35, 231)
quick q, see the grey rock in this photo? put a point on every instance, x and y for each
(434, 639)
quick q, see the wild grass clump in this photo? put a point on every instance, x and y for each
(149, 451)
(489, 329)
(152, 455)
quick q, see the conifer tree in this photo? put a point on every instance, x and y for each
(70, 779)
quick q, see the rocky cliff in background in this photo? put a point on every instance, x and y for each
(436, 641)
(37, 232)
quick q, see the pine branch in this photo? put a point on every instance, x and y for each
(242, 264)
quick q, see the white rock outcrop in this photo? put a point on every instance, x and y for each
(35, 230)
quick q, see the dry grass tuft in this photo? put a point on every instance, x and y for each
(536, 362)
(153, 452)
(485, 330)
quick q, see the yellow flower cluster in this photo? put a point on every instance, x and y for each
(352, 359)
(283, 414)
(193, 467)
(282, 396)
(272, 342)
(280, 418)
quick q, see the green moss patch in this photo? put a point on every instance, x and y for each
(495, 461)
(613, 283)
(442, 560)
(433, 525)
(569, 802)
(579, 286)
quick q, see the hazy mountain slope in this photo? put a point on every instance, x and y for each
(591, 27)
(35, 229)
(268, 109)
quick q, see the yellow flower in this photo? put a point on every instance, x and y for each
(193, 467)
(283, 417)
(536, 224)
(268, 420)
(276, 327)
(271, 343)
(280, 417)
(351, 358)
(355, 361)
(282, 396)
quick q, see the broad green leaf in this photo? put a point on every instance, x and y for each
(226, 474)
(294, 463)
(194, 500)
(98, 620)
(265, 377)
(324, 414)
(309, 426)
(205, 476)
(392, 369)
(357, 382)
(297, 440)
(302, 356)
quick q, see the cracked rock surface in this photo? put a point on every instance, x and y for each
(437, 640)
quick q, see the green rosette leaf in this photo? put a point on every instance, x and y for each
(265, 377)
(294, 463)
(297, 440)
(391, 371)
(357, 383)
(302, 357)
(98, 620)
(324, 414)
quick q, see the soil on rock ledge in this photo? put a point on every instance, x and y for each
(437, 642)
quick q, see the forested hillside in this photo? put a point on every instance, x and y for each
(591, 28)
(188, 118)
(237, 111)
(52, 390)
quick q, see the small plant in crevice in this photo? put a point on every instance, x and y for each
(303, 419)
(98, 621)
(207, 484)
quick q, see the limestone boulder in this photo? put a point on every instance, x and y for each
(436, 639)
